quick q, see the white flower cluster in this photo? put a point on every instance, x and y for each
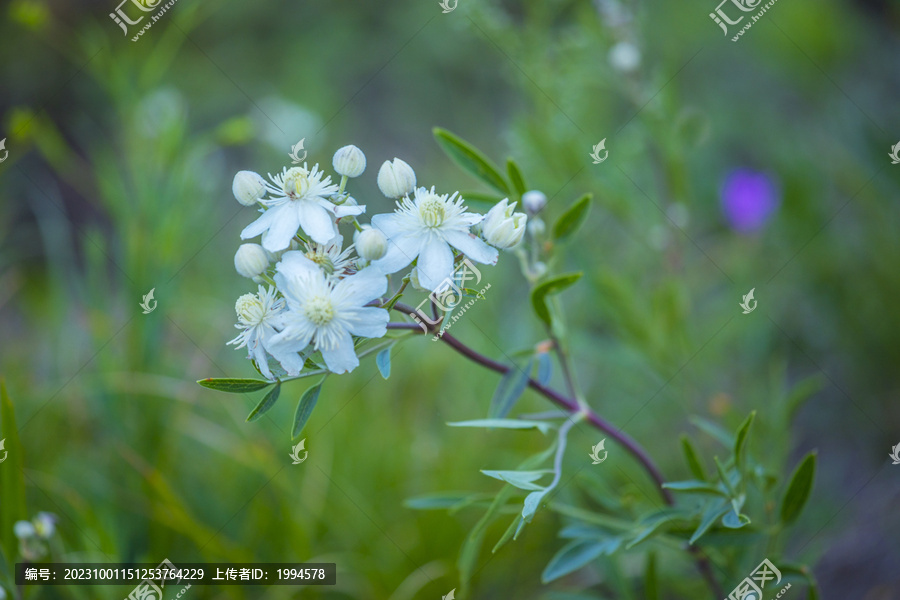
(316, 297)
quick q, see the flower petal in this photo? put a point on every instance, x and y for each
(342, 358)
(358, 289)
(391, 225)
(344, 210)
(368, 321)
(315, 221)
(280, 232)
(401, 251)
(471, 246)
(265, 220)
(295, 336)
(435, 264)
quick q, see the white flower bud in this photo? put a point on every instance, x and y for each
(24, 529)
(536, 226)
(250, 260)
(349, 161)
(503, 228)
(534, 201)
(396, 179)
(248, 187)
(371, 244)
(625, 57)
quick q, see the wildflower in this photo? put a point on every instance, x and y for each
(426, 228)
(625, 57)
(248, 187)
(370, 244)
(503, 228)
(298, 200)
(534, 201)
(250, 260)
(329, 257)
(749, 199)
(349, 161)
(396, 179)
(327, 312)
(258, 316)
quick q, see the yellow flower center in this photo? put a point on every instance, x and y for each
(433, 212)
(319, 310)
(321, 259)
(249, 308)
(296, 182)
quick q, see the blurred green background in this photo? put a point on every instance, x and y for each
(118, 177)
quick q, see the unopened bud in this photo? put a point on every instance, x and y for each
(248, 187)
(349, 161)
(250, 260)
(396, 179)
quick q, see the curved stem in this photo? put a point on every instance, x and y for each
(572, 405)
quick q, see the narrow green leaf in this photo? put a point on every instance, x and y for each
(524, 480)
(652, 523)
(511, 387)
(468, 554)
(711, 514)
(692, 458)
(733, 520)
(575, 555)
(799, 489)
(551, 286)
(569, 222)
(802, 392)
(305, 407)
(507, 535)
(235, 386)
(267, 402)
(470, 159)
(383, 362)
(651, 583)
(515, 177)
(714, 430)
(12, 479)
(441, 500)
(530, 506)
(486, 200)
(693, 486)
(741, 438)
(504, 424)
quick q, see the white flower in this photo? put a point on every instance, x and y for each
(625, 57)
(426, 228)
(370, 243)
(24, 529)
(503, 228)
(258, 316)
(329, 257)
(250, 260)
(536, 226)
(45, 524)
(326, 312)
(396, 179)
(298, 201)
(534, 201)
(349, 161)
(248, 187)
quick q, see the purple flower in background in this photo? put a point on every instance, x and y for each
(748, 199)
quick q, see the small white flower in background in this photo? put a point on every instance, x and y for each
(329, 257)
(396, 179)
(370, 243)
(24, 529)
(502, 227)
(625, 57)
(45, 524)
(258, 316)
(248, 187)
(534, 201)
(250, 260)
(536, 226)
(327, 313)
(299, 200)
(349, 161)
(426, 228)
(2, 591)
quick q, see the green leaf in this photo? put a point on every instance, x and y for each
(575, 555)
(515, 177)
(383, 362)
(267, 402)
(504, 424)
(507, 535)
(468, 554)
(544, 368)
(511, 387)
(693, 486)
(799, 489)
(12, 478)
(714, 430)
(724, 476)
(651, 583)
(711, 514)
(802, 392)
(488, 200)
(442, 500)
(235, 386)
(569, 222)
(305, 407)
(551, 286)
(733, 520)
(652, 523)
(740, 438)
(524, 480)
(692, 458)
(470, 159)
